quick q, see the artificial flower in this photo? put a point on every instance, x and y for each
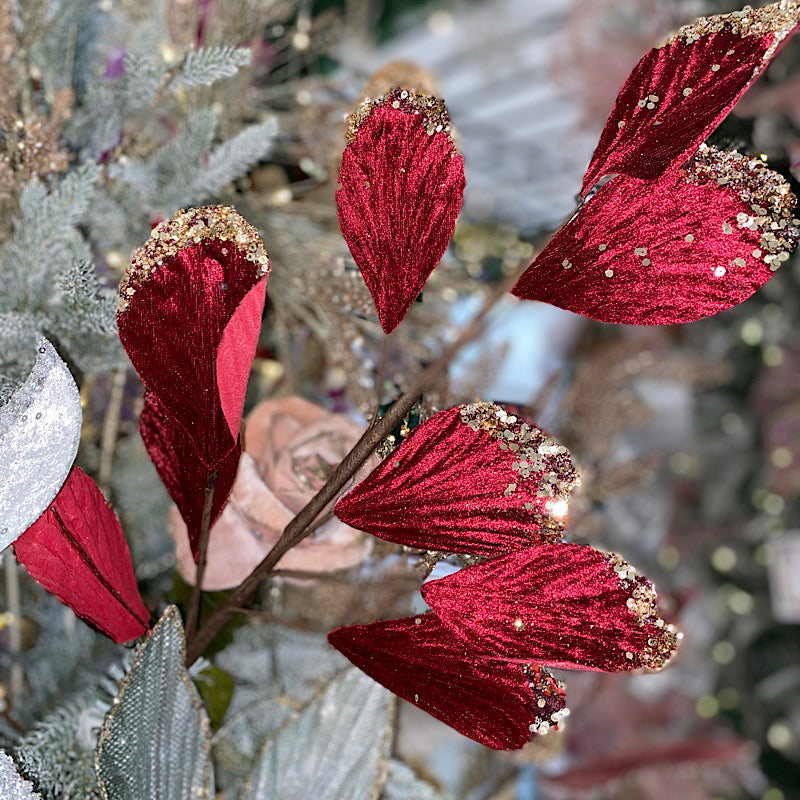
(291, 447)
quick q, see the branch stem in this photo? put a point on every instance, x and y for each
(193, 614)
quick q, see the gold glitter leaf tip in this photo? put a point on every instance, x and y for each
(663, 638)
(765, 192)
(778, 18)
(432, 111)
(187, 228)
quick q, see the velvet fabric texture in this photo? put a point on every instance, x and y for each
(561, 605)
(680, 92)
(686, 245)
(499, 704)
(534, 601)
(472, 477)
(679, 231)
(189, 319)
(402, 183)
(78, 552)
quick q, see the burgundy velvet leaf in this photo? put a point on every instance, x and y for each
(472, 479)
(183, 472)
(679, 93)
(189, 319)
(696, 241)
(402, 183)
(561, 605)
(499, 704)
(77, 551)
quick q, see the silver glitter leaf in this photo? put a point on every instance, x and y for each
(156, 740)
(403, 784)
(40, 426)
(276, 670)
(12, 785)
(336, 749)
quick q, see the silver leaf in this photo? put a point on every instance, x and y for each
(403, 784)
(156, 740)
(336, 749)
(40, 427)
(12, 785)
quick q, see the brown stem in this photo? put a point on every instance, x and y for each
(84, 556)
(108, 437)
(298, 528)
(193, 614)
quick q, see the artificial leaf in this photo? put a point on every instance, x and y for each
(471, 479)
(276, 670)
(403, 784)
(678, 93)
(402, 183)
(155, 740)
(336, 749)
(12, 785)
(189, 319)
(497, 703)
(78, 552)
(698, 240)
(184, 472)
(40, 427)
(562, 605)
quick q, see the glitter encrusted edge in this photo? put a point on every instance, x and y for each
(530, 444)
(432, 110)
(544, 684)
(187, 228)
(663, 642)
(779, 19)
(764, 191)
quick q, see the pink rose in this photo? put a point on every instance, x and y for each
(290, 448)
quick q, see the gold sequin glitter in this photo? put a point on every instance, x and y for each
(187, 228)
(765, 192)
(778, 18)
(642, 604)
(536, 456)
(432, 110)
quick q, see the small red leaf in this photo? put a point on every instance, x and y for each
(561, 605)
(496, 703)
(183, 472)
(472, 479)
(679, 93)
(402, 183)
(696, 241)
(189, 319)
(77, 551)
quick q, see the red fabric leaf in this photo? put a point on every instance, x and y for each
(77, 551)
(694, 242)
(472, 479)
(189, 319)
(677, 94)
(183, 472)
(402, 183)
(495, 703)
(561, 605)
